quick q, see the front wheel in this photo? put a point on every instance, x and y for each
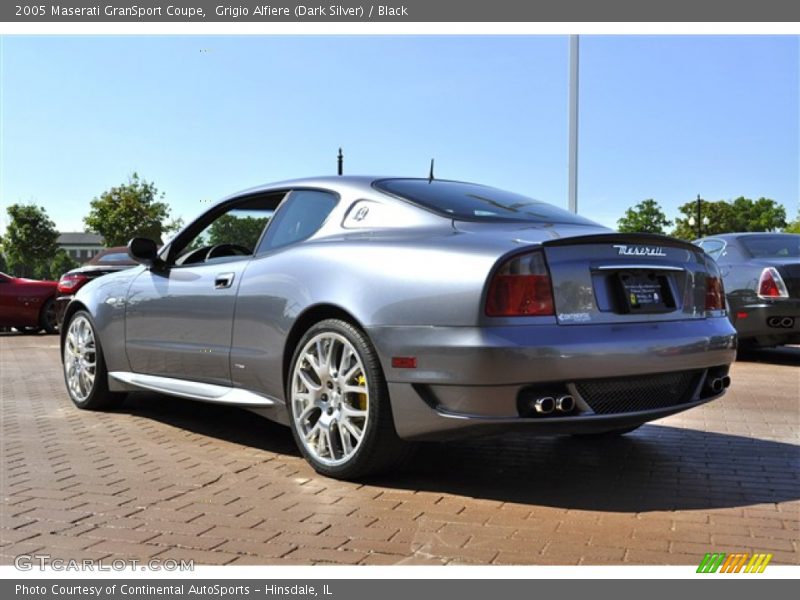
(85, 370)
(339, 403)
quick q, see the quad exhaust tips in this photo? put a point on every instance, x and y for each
(718, 384)
(781, 322)
(544, 406)
(547, 404)
(565, 404)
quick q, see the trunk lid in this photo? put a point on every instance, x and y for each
(594, 271)
(619, 277)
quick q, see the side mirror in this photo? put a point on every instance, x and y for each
(143, 251)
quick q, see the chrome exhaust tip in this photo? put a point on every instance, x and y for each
(716, 385)
(565, 404)
(544, 406)
(787, 322)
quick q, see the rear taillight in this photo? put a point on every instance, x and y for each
(521, 287)
(715, 297)
(771, 285)
(71, 283)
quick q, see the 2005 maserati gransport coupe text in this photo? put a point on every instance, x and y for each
(366, 312)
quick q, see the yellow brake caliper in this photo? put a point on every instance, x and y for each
(362, 398)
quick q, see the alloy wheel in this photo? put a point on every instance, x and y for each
(330, 398)
(80, 358)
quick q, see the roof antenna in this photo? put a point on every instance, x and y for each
(430, 175)
(340, 161)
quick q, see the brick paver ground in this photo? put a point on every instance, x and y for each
(168, 478)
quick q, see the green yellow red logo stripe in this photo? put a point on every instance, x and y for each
(738, 562)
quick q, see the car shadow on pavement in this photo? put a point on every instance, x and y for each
(655, 468)
(780, 355)
(224, 423)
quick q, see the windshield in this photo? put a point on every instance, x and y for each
(472, 202)
(772, 246)
(116, 257)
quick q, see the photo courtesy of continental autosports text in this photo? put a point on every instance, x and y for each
(172, 590)
(399, 300)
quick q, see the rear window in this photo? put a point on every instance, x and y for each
(473, 202)
(772, 246)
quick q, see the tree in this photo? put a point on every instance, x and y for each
(758, 215)
(741, 214)
(230, 229)
(60, 264)
(30, 239)
(133, 209)
(793, 226)
(645, 217)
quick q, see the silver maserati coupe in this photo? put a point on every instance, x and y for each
(366, 313)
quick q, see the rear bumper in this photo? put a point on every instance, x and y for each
(468, 380)
(755, 321)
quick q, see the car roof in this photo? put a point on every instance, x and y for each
(361, 182)
(733, 236)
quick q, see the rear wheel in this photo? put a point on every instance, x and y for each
(85, 370)
(47, 318)
(339, 403)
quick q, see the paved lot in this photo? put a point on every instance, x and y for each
(168, 478)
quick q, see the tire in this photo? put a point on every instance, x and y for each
(85, 372)
(47, 317)
(607, 434)
(341, 431)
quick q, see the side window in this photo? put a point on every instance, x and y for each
(713, 248)
(300, 216)
(226, 236)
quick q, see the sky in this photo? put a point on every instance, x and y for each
(663, 117)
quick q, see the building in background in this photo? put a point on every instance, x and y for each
(79, 245)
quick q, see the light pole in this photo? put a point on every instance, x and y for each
(573, 123)
(699, 221)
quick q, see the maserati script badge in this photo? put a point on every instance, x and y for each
(639, 250)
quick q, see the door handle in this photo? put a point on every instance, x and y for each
(223, 281)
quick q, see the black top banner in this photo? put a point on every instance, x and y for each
(406, 11)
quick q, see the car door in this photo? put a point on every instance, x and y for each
(179, 316)
(270, 287)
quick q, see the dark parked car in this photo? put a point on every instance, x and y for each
(363, 312)
(761, 272)
(27, 304)
(108, 261)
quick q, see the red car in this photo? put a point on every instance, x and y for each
(27, 304)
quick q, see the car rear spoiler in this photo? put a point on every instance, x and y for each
(623, 238)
